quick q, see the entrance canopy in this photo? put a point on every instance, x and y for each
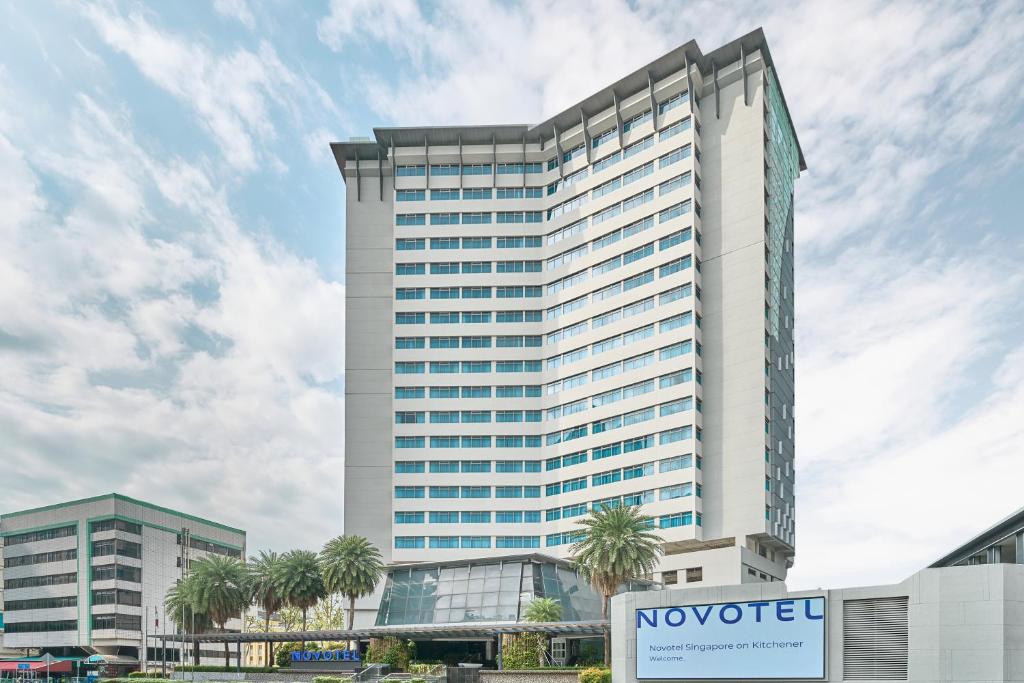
(36, 666)
(571, 629)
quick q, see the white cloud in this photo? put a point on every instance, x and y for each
(180, 360)
(233, 94)
(236, 9)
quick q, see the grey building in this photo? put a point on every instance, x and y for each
(1002, 543)
(593, 311)
(89, 576)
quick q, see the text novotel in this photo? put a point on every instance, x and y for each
(729, 613)
(326, 656)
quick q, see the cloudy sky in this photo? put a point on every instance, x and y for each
(172, 243)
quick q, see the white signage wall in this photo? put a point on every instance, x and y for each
(766, 639)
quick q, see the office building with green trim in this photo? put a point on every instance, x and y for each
(89, 577)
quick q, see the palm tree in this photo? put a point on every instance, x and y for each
(263, 570)
(617, 546)
(543, 611)
(178, 604)
(299, 582)
(352, 566)
(221, 590)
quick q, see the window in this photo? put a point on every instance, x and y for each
(409, 195)
(408, 417)
(444, 219)
(476, 491)
(674, 184)
(443, 317)
(476, 541)
(409, 518)
(409, 392)
(410, 219)
(675, 129)
(474, 517)
(476, 169)
(444, 169)
(408, 542)
(444, 491)
(408, 492)
(409, 318)
(476, 242)
(410, 244)
(517, 541)
(413, 170)
(674, 211)
(410, 268)
(477, 193)
(444, 242)
(444, 194)
(444, 541)
(409, 442)
(476, 218)
(444, 517)
(409, 342)
(673, 102)
(406, 293)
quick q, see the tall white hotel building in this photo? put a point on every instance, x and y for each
(593, 311)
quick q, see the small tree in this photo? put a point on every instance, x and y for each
(352, 566)
(617, 546)
(543, 611)
(221, 590)
(299, 582)
(179, 606)
(263, 569)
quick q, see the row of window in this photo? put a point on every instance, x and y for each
(41, 535)
(467, 491)
(625, 258)
(468, 517)
(533, 441)
(452, 542)
(116, 596)
(41, 603)
(500, 391)
(119, 572)
(466, 367)
(421, 243)
(466, 416)
(468, 267)
(477, 342)
(41, 558)
(116, 546)
(468, 217)
(633, 336)
(452, 194)
(121, 622)
(41, 626)
(469, 169)
(623, 393)
(115, 525)
(664, 270)
(37, 581)
(466, 466)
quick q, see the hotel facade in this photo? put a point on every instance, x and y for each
(593, 311)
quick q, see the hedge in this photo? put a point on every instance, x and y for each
(596, 675)
(145, 674)
(133, 680)
(209, 668)
(332, 679)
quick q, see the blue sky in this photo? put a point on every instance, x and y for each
(172, 243)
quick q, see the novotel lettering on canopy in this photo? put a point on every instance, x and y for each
(325, 656)
(756, 639)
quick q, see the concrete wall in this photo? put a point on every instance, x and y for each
(528, 676)
(965, 623)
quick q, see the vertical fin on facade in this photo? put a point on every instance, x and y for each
(586, 133)
(618, 115)
(743, 75)
(558, 152)
(654, 100)
(380, 172)
(718, 102)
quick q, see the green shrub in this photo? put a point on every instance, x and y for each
(422, 667)
(391, 651)
(331, 679)
(596, 675)
(418, 680)
(134, 679)
(522, 650)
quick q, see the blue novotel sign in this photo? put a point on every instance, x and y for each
(757, 639)
(325, 656)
